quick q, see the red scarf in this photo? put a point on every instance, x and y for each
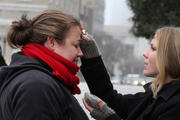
(63, 69)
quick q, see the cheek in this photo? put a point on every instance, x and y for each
(151, 69)
(152, 62)
(72, 54)
(64, 52)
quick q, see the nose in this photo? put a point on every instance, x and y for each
(80, 53)
(145, 54)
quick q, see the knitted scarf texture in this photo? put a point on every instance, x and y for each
(63, 69)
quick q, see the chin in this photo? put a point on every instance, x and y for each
(76, 63)
(147, 74)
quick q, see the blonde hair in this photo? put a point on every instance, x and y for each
(168, 57)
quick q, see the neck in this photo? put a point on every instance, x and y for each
(168, 80)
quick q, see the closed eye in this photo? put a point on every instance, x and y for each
(76, 46)
(153, 48)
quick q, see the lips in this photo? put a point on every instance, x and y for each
(75, 61)
(145, 65)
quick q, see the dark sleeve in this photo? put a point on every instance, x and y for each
(36, 100)
(98, 81)
(113, 117)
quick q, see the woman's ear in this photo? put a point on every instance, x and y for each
(50, 43)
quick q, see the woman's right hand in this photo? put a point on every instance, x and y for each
(88, 45)
(98, 108)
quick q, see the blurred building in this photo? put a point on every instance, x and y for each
(98, 15)
(131, 55)
(68, 6)
(11, 10)
(136, 46)
(92, 15)
(86, 14)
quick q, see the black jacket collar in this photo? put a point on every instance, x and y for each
(169, 90)
(20, 63)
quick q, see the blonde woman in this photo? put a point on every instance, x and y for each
(161, 98)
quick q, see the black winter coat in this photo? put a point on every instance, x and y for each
(2, 61)
(140, 106)
(29, 91)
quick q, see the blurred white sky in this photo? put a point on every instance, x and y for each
(117, 13)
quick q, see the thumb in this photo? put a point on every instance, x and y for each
(100, 103)
(89, 108)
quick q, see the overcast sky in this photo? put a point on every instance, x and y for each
(117, 13)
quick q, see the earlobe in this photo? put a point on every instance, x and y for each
(50, 43)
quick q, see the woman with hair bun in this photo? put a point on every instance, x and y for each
(41, 80)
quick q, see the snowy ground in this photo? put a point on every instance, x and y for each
(124, 89)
